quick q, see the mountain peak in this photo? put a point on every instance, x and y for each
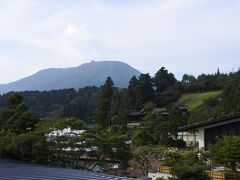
(93, 73)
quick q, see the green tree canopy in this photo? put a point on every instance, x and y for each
(16, 117)
(144, 90)
(226, 152)
(186, 166)
(163, 80)
(73, 123)
(132, 92)
(231, 95)
(189, 83)
(14, 100)
(103, 114)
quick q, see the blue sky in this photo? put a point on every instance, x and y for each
(185, 36)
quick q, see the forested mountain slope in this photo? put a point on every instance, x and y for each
(88, 74)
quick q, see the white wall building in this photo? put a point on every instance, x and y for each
(191, 139)
(213, 129)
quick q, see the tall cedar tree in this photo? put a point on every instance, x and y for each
(16, 117)
(163, 80)
(189, 83)
(144, 90)
(103, 114)
(231, 94)
(132, 92)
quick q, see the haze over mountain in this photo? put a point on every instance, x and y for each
(88, 74)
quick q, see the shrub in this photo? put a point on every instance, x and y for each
(171, 157)
(190, 172)
(226, 152)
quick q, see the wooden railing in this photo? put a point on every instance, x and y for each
(217, 175)
(164, 169)
(232, 177)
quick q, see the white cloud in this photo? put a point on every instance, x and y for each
(185, 36)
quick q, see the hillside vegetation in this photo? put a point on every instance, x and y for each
(23, 134)
(195, 100)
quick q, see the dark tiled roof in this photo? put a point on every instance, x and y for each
(136, 113)
(209, 122)
(11, 170)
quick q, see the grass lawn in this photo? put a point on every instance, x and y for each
(194, 100)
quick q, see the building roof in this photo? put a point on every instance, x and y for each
(142, 111)
(136, 113)
(12, 170)
(180, 107)
(209, 122)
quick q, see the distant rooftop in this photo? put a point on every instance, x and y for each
(12, 170)
(225, 119)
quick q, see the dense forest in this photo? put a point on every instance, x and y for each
(27, 118)
(54, 104)
(162, 90)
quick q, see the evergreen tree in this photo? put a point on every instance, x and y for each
(144, 90)
(14, 100)
(189, 83)
(120, 109)
(16, 117)
(226, 152)
(132, 92)
(231, 95)
(103, 114)
(163, 80)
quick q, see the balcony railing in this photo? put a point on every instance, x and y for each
(216, 175)
(165, 169)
